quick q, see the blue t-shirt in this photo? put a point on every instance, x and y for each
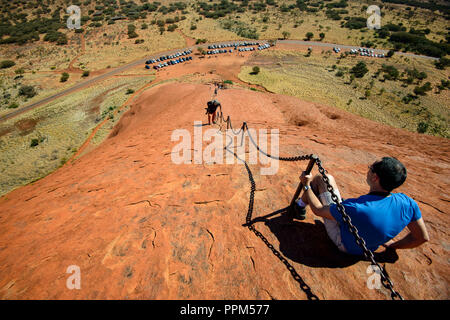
(377, 218)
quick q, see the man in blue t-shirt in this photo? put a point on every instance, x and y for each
(379, 216)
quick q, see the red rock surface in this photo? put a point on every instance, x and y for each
(141, 227)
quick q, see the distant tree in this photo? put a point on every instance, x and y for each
(390, 72)
(286, 34)
(422, 127)
(172, 27)
(422, 91)
(255, 70)
(442, 63)
(27, 91)
(132, 31)
(64, 77)
(309, 35)
(321, 36)
(359, 70)
(85, 74)
(390, 53)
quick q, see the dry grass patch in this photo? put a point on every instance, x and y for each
(314, 79)
(36, 143)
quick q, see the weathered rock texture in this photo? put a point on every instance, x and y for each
(141, 227)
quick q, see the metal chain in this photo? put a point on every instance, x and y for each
(385, 280)
(310, 295)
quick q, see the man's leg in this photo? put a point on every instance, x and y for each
(319, 187)
(214, 117)
(209, 118)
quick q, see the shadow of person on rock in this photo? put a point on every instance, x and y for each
(308, 243)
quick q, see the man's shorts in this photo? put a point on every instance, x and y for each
(332, 226)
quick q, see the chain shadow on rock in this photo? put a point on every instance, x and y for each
(308, 243)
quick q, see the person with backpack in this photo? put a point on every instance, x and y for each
(211, 110)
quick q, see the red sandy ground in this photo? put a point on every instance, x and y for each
(141, 227)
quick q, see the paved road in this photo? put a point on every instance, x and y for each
(142, 61)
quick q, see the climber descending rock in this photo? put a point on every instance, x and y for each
(211, 110)
(379, 216)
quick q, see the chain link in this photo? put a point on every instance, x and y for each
(385, 280)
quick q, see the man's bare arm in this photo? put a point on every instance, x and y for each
(418, 235)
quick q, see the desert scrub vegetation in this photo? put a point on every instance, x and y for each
(379, 94)
(36, 143)
(5, 64)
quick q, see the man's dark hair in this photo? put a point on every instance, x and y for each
(391, 172)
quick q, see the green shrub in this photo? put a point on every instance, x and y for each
(422, 91)
(356, 23)
(255, 70)
(198, 41)
(422, 127)
(172, 27)
(86, 74)
(34, 142)
(419, 44)
(132, 31)
(359, 70)
(390, 53)
(27, 91)
(64, 77)
(13, 106)
(390, 72)
(442, 63)
(7, 64)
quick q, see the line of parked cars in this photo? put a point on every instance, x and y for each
(178, 57)
(216, 51)
(362, 52)
(367, 53)
(336, 49)
(264, 46)
(246, 49)
(235, 45)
